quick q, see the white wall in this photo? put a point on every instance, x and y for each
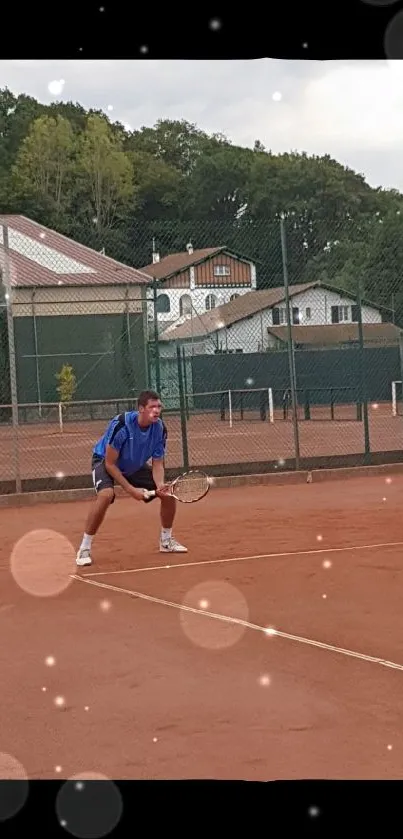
(198, 296)
(251, 334)
(320, 302)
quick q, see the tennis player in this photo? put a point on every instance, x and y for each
(122, 456)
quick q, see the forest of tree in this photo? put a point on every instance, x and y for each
(84, 176)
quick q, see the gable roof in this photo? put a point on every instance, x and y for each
(327, 335)
(173, 263)
(242, 307)
(40, 256)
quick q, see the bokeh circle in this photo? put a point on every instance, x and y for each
(14, 786)
(42, 562)
(89, 805)
(393, 37)
(220, 598)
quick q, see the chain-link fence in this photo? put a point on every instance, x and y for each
(274, 347)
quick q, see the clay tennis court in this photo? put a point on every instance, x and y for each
(143, 671)
(52, 458)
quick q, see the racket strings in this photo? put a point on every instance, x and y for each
(191, 487)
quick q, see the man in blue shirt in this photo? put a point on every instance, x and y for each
(121, 456)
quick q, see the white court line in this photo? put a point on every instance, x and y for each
(244, 559)
(228, 619)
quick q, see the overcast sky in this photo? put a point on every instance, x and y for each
(349, 109)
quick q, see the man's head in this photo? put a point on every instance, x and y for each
(149, 407)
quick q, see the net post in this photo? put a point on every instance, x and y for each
(230, 408)
(394, 400)
(182, 403)
(271, 404)
(60, 408)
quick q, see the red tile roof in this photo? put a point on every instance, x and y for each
(242, 307)
(42, 257)
(175, 262)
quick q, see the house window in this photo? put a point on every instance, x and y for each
(185, 305)
(279, 317)
(221, 271)
(344, 313)
(308, 313)
(340, 314)
(354, 314)
(295, 315)
(210, 302)
(234, 297)
(163, 304)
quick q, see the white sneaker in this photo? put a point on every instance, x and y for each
(83, 557)
(172, 546)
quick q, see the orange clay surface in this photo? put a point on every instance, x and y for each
(160, 672)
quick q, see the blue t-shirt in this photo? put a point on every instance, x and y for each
(135, 445)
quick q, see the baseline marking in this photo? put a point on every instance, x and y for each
(228, 619)
(244, 559)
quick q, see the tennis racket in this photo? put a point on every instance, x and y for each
(190, 487)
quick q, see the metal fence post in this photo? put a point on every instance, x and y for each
(363, 382)
(185, 382)
(156, 340)
(11, 357)
(182, 403)
(291, 355)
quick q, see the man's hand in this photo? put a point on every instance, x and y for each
(163, 490)
(111, 467)
(137, 494)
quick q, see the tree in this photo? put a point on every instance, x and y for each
(158, 186)
(106, 173)
(109, 188)
(341, 263)
(177, 143)
(45, 162)
(217, 185)
(16, 116)
(383, 275)
(67, 384)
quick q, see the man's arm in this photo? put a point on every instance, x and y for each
(111, 457)
(158, 461)
(158, 470)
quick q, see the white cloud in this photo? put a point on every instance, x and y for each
(351, 110)
(356, 106)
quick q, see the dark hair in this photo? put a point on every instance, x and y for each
(145, 396)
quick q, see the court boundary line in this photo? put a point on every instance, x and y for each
(269, 631)
(310, 552)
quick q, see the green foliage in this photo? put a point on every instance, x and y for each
(44, 163)
(116, 190)
(67, 384)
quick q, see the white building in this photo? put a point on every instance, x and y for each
(197, 281)
(257, 321)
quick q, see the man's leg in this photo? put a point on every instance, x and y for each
(144, 480)
(104, 488)
(167, 513)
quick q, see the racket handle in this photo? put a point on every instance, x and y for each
(149, 493)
